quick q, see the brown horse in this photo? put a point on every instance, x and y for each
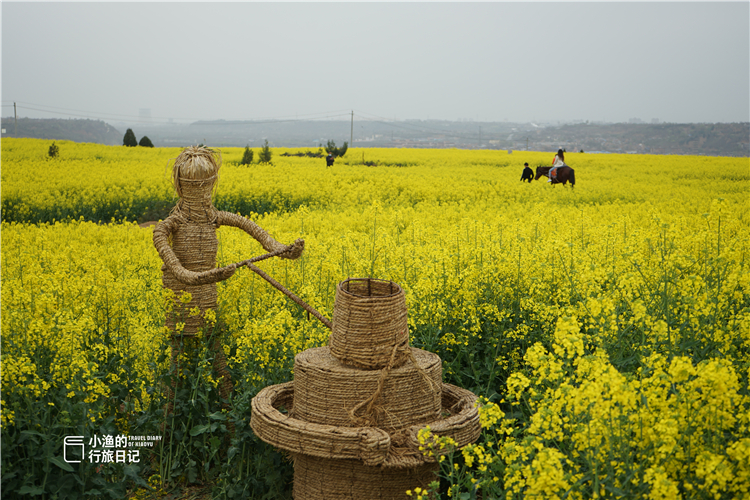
(564, 174)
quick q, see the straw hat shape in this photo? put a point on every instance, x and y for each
(196, 163)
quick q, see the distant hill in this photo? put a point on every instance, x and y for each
(77, 130)
(709, 139)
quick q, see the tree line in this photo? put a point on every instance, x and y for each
(130, 140)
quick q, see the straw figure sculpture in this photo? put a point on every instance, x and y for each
(351, 416)
(186, 242)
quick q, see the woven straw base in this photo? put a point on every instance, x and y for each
(371, 445)
(331, 479)
(325, 441)
(325, 390)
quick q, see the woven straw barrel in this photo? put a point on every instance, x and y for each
(355, 408)
(369, 320)
(350, 479)
(325, 390)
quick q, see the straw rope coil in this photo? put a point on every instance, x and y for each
(369, 319)
(370, 445)
(373, 446)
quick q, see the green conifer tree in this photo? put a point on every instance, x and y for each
(247, 157)
(53, 151)
(129, 139)
(265, 154)
(337, 152)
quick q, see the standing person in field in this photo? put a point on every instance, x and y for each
(528, 174)
(558, 162)
(186, 242)
(329, 160)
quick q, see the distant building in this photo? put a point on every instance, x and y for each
(144, 115)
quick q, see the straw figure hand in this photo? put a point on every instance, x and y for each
(295, 250)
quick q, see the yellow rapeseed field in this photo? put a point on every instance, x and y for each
(606, 326)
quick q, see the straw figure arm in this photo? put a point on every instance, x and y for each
(162, 233)
(257, 232)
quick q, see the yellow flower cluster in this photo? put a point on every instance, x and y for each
(489, 413)
(613, 317)
(64, 290)
(433, 445)
(418, 493)
(665, 425)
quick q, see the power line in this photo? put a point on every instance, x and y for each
(43, 108)
(418, 128)
(89, 116)
(269, 120)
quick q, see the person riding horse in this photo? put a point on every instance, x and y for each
(558, 162)
(559, 172)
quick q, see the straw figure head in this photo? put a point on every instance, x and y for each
(195, 175)
(196, 163)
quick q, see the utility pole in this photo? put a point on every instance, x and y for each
(15, 120)
(527, 144)
(351, 135)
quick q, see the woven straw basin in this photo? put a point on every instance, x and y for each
(271, 421)
(369, 321)
(326, 391)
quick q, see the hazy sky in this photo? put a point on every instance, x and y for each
(487, 61)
